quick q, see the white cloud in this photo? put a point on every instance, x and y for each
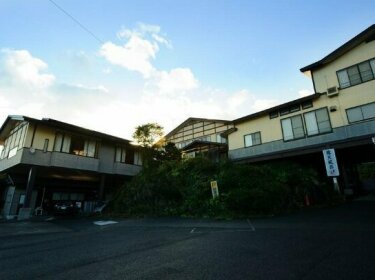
(238, 99)
(178, 80)
(141, 47)
(24, 69)
(262, 104)
(165, 96)
(135, 55)
(305, 92)
(40, 95)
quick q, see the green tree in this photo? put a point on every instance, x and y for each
(169, 152)
(146, 134)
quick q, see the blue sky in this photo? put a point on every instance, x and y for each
(164, 61)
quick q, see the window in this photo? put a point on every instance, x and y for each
(274, 114)
(252, 139)
(307, 104)
(294, 108)
(365, 71)
(137, 158)
(14, 141)
(220, 139)
(120, 154)
(75, 145)
(361, 113)
(293, 128)
(128, 155)
(284, 111)
(354, 76)
(317, 122)
(357, 74)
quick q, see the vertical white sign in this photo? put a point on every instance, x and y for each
(331, 163)
(214, 189)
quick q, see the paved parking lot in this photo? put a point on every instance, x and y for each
(329, 243)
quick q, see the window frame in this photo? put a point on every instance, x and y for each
(253, 134)
(370, 61)
(358, 107)
(66, 144)
(290, 118)
(317, 123)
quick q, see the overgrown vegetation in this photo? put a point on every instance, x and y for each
(175, 187)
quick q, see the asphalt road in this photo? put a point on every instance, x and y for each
(331, 243)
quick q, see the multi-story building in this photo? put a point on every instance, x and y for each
(340, 115)
(205, 137)
(48, 161)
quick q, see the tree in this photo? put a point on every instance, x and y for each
(169, 152)
(146, 134)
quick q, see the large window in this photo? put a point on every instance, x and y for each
(293, 128)
(128, 156)
(317, 122)
(252, 139)
(76, 145)
(361, 113)
(357, 74)
(14, 141)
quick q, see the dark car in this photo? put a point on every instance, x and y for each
(66, 207)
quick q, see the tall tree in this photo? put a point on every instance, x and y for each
(146, 134)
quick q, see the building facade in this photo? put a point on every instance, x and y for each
(46, 161)
(201, 137)
(340, 115)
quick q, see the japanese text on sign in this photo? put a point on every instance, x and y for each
(331, 163)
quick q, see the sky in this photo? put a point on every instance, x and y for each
(111, 65)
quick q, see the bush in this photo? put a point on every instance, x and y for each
(183, 188)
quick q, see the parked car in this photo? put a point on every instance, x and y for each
(66, 207)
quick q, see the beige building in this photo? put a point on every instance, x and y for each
(198, 136)
(340, 114)
(48, 160)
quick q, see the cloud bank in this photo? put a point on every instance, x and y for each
(166, 96)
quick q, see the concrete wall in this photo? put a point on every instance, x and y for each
(41, 134)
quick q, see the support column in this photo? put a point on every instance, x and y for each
(25, 211)
(102, 184)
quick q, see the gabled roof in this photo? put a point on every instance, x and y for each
(367, 35)
(193, 120)
(13, 119)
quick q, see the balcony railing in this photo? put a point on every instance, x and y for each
(65, 160)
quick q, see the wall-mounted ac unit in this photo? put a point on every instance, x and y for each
(332, 91)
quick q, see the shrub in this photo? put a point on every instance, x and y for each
(183, 188)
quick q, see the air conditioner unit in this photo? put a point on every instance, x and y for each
(332, 91)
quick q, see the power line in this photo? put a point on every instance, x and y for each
(77, 22)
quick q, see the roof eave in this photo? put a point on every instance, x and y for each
(266, 111)
(365, 36)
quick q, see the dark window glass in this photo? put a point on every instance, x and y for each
(354, 76)
(365, 71)
(274, 114)
(307, 104)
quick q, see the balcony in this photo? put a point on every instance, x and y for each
(49, 159)
(126, 169)
(64, 160)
